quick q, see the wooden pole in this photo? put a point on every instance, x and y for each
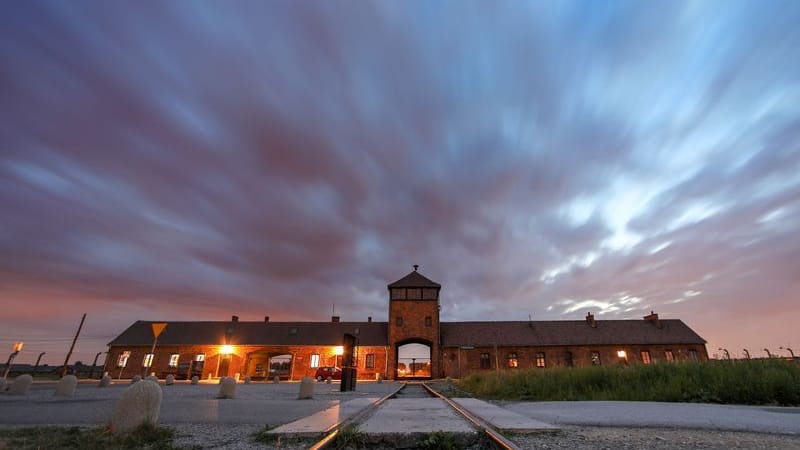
(71, 347)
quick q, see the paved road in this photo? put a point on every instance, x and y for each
(653, 414)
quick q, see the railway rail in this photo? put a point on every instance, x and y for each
(412, 390)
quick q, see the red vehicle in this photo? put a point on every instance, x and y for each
(324, 372)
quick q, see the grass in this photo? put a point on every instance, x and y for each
(145, 438)
(758, 382)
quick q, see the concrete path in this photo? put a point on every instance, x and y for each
(654, 414)
(415, 415)
(324, 420)
(501, 418)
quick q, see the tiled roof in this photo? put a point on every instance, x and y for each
(414, 280)
(255, 333)
(567, 332)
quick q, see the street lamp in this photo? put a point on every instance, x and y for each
(727, 353)
(769, 355)
(15, 349)
(746, 353)
(789, 350)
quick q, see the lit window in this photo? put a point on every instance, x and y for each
(428, 321)
(540, 361)
(314, 361)
(621, 354)
(369, 361)
(669, 356)
(399, 321)
(486, 363)
(200, 357)
(596, 359)
(693, 354)
(148, 360)
(173, 360)
(646, 357)
(122, 361)
(513, 361)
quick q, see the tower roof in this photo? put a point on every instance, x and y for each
(414, 280)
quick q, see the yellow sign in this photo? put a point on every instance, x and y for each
(158, 328)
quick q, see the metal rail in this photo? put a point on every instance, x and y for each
(333, 430)
(496, 437)
(500, 440)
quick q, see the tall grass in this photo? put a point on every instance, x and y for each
(758, 382)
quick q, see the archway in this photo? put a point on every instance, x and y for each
(413, 360)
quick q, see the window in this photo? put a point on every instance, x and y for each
(540, 362)
(568, 359)
(122, 360)
(173, 360)
(669, 356)
(596, 359)
(428, 321)
(398, 321)
(148, 360)
(200, 357)
(414, 293)
(513, 360)
(369, 361)
(486, 363)
(314, 360)
(646, 357)
(429, 294)
(692, 354)
(398, 294)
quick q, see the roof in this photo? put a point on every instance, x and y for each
(414, 280)
(254, 333)
(567, 332)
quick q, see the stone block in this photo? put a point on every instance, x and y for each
(227, 388)
(247, 379)
(136, 379)
(237, 376)
(169, 380)
(306, 388)
(66, 386)
(140, 404)
(195, 380)
(152, 378)
(105, 381)
(20, 385)
(276, 380)
(329, 380)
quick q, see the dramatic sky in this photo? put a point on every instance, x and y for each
(194, 160)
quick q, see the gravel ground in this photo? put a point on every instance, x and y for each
(600, 438)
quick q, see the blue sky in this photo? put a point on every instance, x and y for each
(176, 161)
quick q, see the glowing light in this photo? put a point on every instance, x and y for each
(338, 350)
(622, 354)
(17, 347)
(226, 349)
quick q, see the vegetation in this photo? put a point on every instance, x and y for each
(756, 382)
(145, 438)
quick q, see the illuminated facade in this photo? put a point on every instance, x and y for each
(412, 344)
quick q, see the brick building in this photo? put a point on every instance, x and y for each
(412, 344)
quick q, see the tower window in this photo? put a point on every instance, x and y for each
(398, 321)
(398, 294)
(414, 293)
(429, 294)
(428, 321)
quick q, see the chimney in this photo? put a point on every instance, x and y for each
(234, 318)
(590, 320)
(266, 319)
(653, 317)
(369, 319)
(334, 318)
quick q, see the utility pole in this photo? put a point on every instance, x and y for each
(72, 347)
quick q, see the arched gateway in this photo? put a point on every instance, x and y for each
(414, 327)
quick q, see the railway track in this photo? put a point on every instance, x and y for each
(416, 390)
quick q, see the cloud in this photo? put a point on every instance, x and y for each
(165, 163)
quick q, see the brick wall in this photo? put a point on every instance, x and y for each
(414, 329)
(470, 359)
(244, 360)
